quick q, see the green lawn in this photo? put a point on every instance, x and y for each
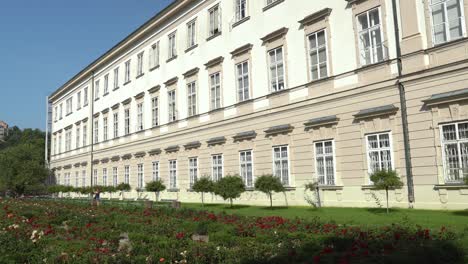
(364, 217)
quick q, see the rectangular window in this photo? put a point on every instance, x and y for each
(127, 121)
(85, 135)
(370, 37)
(127, 174)
(104, 177)
(140, 64)
(269, 2)
(58, 179)
(83, 178)
(140, 126)
(96, 90)
(154, 55)
(116, 125)
(215, 90)
(77, 139)
(276, 69)
(192, 98)
(191, 33)
(243, 82)
(173, 174)
(318, 55)
(215, 20)
(140, 176)
(241, 9)
(95, 177)
(127, 71)
(172, 106)
(115, 176)
(60, 144)
(78, 100)
(246, 167)
(55, 145)
(379, 152)
(193, 170)
(105, 128)
(448, 21)
(106, 84)
(56, 114)
(217, 167)
(116, 78)
(172, 52)
(61, 111)
(69, 105)
(68, 135)
(454, 139)
(155, 170)
(281, 163)
(325, 162)
(77, 179)
(85, 96)
(96, 131)
(154, 111)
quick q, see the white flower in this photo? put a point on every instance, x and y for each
(217, 248)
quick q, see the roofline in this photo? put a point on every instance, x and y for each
(120, 44)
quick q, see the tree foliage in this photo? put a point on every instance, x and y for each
(156, 187)
(203, 185)
(269, 184)
(386, 180)
(229, 187)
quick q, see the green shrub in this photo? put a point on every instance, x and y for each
(229, 187)
(203, 185)
(269, 184)
(156, 187)
(385, 180)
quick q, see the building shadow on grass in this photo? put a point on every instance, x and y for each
(274, 208)
(461, 212)
(382, 211)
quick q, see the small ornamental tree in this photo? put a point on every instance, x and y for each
(156, 187)
(123, 187)
(268, 184)
(203, 185)
(385, 180)
(229, 187)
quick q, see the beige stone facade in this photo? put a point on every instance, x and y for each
(335, 129)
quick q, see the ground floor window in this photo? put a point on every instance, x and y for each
(246, 167)
(379, 152)
(217, 167)
(140, 176)
(454, 139)
(115, 176)
(83, 178)
(155, 170)
(104, 177)
(325, 162)
(193, 170)
(173, 174)
(127, 175)
(281, 163)
(95, 176)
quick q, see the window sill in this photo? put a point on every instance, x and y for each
(171, 59)
(447, 44)
(97, 99)
(139, 75)
(173, 190)
(244, 102)
(272, 5)
(115, 88)
(372, 65)
(277, 93)
(453, 186)
(69, 114)
(154, 68)
(241, 21)
(85, 105)
(78, 109)
(106, 94)
(330, 187)
(191, 48)
(127, 82)
(213, 36)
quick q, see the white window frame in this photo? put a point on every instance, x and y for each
(127, 121)
(96, 89)
(140, 117)
(155, 111)
(448, 36)
(316, 51)
(173, 174)
(240, 9)
(127, 71)
(215, 175)
(379, 149)
(215, 91)
(78, 100)
(106, 84)
(115, 176)
(140, 176)
(85, 135)
(243, 165)
(155, 170)
(116, 124)
(324, 156)
(104, 177)
(447, 177)
(116, 78)
(192, 98)
(172, 45)
(61, 111)
(96, 131)
(95, 177)
(127, 174)
(192, 33)
(275, 83)
(281, 177)
(243, 92)
(372, 50)
(140, 63)
(83, 178)
(105, 128)
(77, 137)
(172, 107)
(85, 96)
(214, 20)
(193, 170)
(154, 55)
(68, 135)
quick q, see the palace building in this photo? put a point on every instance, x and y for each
(323, 91)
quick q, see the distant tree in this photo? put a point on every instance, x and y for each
(385, 180)
(156, 187)
(269, 184)
(203, 185)
(229, 187)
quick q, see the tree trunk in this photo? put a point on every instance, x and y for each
(271, 201)
(386, 193)
(157, 196)
(203, 199)
(231, 202)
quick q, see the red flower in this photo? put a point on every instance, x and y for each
(161, 260)
(180, 235)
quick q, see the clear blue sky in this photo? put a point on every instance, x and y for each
(45, 43)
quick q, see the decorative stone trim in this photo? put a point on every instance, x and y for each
(240, 21)
(330, 187)
(315, 17)
(214, 62)
(376, 111)
(126, 156)
(85, 120)
(96, 115)
(241, 50)
(171, 81)
(139, 96)
(126, 101)
(67, 167)
(173, 190)
(78, 123)
(450, 186)
(279, 129)
(116, 106)
(105, 111)
(68, 127)
(191, 72)
(216, 140)
(76, 165)
(213, 36)
(105, 160)
(275, 35)
(245, 135)
(154, 89)
(59, 168)
(448, 97)
(84, 163)
(321, 121)
(192, 145)
(96, 161)
(272, 5)
(154, 152)
(140, 154)
(173, 148)
(115, 158)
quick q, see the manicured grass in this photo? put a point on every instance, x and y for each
(364, 217)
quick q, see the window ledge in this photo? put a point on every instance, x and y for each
(171, 59)
(69, 114)
(127, 82)
(449, 186)
(446, 44)
(277, 93)
(367, 187)
(78, 109)
(272, 5)
(115, 88)
(247, 18)
(213, 36)
(173, 190)
(191, 48)
(330, 187)
(97, 99)
(85, 105)
(154, 68)
(244, 102)
(373, 65)
(106, 94)
(289, 188)
(140, 75)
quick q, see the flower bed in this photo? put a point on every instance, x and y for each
(61, 232)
